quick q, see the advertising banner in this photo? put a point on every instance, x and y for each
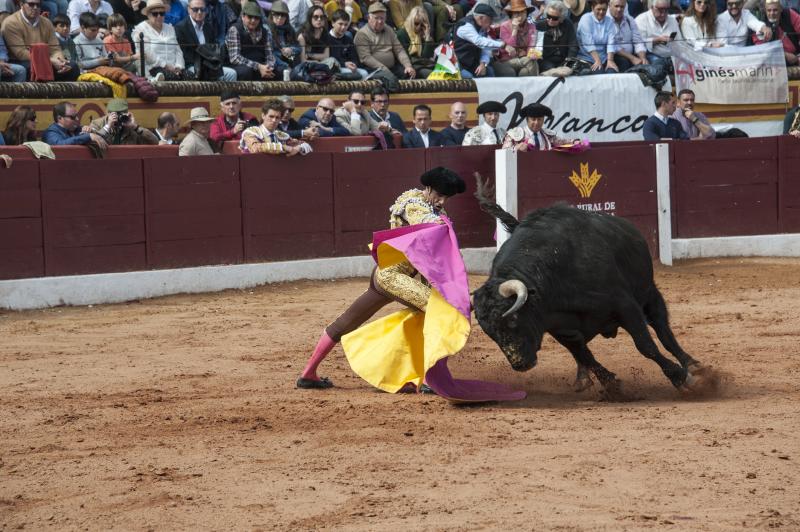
(732, 74)
(601, 108)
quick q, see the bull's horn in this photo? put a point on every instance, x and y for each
(514, 287)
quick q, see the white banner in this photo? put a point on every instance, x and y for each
(600, 108)
(732, 74)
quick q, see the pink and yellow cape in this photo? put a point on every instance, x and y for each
(410, 346)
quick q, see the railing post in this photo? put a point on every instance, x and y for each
(664, 205)
(505, 179)
(141, 55)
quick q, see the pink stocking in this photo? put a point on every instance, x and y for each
(324, 346)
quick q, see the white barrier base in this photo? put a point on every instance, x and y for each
(43, 292)
(786, 245)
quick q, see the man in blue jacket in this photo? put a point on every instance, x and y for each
(66, 128)
(322, 117)
(660, 125)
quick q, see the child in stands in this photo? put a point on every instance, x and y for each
(117, 43)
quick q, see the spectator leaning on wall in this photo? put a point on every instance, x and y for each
(267, 138)
(66, 128)
(694, 123)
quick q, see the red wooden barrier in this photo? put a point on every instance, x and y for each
(194, 211)
(21, 245)
(789, 184)
(726, 187)
(93, 219)
(288, 206)
(616, 180)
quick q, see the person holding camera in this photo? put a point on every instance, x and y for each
(119, 126)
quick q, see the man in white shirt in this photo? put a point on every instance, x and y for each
(732, 25)
(658, 28)
(78, 7)
(488, 133)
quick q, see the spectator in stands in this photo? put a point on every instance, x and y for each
(232, 121)
(791, 122)
(388, 121)
(473, 46)
(61, 26)
(313, 37)
(250, 47)
(162, 54)
(119, 127)
(175, 12)
(499, 15)
(454, 133)
(9, 71)
(66, 128)
(27, 27)
(699, 24)
(785, 26)
(379, 50)
(194, 31)
(354, 13)
(488, 133)
(353, 116)
(267, 138)
(196, 141)
(660, 125)
(131, 11)
(596, 34)
(417, 40)
(532, 136)
(733, 25)
(167, 127)
(90, 49)
(100, 8)
(118, 46)
(518, 57)
(694, 123)
(342, 47)
(657, 27)
(284, 38)
(291, 126)
(560, 41)
(630, 48)
(21, 126)
(323, 117)
(440, 13)
(422, 136)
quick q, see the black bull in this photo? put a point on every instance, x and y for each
(576, 274)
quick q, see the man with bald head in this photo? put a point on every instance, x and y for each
(322, 117)
(454, 133)
(656, 26)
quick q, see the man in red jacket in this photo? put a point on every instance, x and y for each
(230, 124)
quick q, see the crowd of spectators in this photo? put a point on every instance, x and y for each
(388, 39)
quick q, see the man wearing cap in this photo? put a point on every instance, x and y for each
(532, 136)
(249, 44)
(473, 46)
(488, 133)
(267, 138)
(194, 31)
(379, 49)
(232, 121)
(454, 133)
(196, 142)
(119, 126)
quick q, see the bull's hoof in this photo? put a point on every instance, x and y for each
(701, 380)
(582, 382)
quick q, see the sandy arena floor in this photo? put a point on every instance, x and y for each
(181, 413)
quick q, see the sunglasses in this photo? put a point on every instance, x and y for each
(701, 2)
(553, 18)
(289, 110)
(197, 9)
(71, 117)
(359, 102)
(158, 13)
(326, 109)
(317, 17)
(34, 5)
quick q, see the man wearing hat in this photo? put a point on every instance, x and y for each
(194, 31)
(532, 136)
(162, 53)
(472, 45)
(196, 142)
(119, 127)
(232, 121)
(488, 133)
(379, 50)
(519, 54)
(249, 43)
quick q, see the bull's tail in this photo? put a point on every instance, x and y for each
(483, 193)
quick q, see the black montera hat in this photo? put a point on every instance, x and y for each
(535, 110)
(491, 107)
(444, 181)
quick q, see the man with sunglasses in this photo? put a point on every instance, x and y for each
(733, 25)
(323, 117)
(657, 27)
(27, 27)
(162, 53)
(560, 41)
(290, 126)
(66, 129)
(194, 31)
(352, 115)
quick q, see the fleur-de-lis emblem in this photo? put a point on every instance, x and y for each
(585, 182)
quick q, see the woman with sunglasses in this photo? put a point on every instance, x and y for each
(557, 35)
(417, 39)
(162, 53)
(699, 24)
(21, 126)
(313, 38)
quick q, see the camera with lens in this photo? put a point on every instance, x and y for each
(123, 118)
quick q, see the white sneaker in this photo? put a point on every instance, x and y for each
(158, 77)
